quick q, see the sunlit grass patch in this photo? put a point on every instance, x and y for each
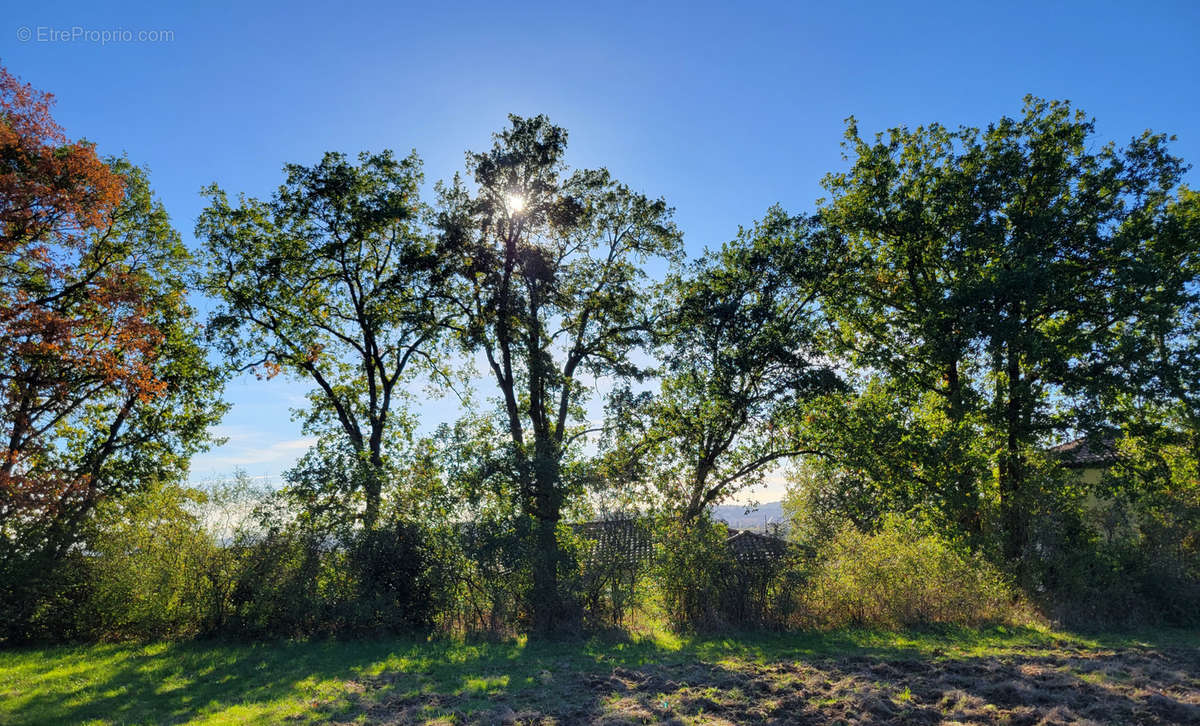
(736, 676)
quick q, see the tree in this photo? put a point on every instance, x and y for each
(552, 290)
(104, 382)
(53, 191)
(998, 270)
(1158, 353)
(742, 355)
(886, 447)
(332, 280)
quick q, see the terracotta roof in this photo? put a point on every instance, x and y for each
(1082, 453)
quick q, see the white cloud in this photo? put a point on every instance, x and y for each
(248, 448)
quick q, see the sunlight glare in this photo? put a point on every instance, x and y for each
(515, 203)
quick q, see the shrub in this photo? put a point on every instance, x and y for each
(40, 597)
(393, 579)
(146, 566)
(902, 577)
(1119, 564)
(297, 582)
(491, 579)
(613, 558)
(692, 571)
(277, 586)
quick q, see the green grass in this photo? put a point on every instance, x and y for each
(220, 683)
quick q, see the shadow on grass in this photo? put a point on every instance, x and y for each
(1010, 676)
(174, 682)
(748, 677)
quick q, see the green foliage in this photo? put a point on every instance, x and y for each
(903, 577)
(885, 450)
(691, 560)
(963, 299)
(107, 438)
(333, 280)
(1004, 282)
(492, 576)
(1128, 551)
(695, 574)
(612, 555)
(304, 565)
(553, 286)
(739, 342)
(296, 583)
(148, 566)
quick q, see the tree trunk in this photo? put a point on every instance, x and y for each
(551, 610)
(547, 606)
(964, 482)
(372, 491)
(1011, 483)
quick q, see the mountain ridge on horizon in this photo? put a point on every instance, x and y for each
(756, 517)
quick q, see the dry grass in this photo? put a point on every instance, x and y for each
(998, 676)
(1040, 685)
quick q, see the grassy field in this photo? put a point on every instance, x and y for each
(1024, 676)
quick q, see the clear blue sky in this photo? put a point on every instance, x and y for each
(723, 109)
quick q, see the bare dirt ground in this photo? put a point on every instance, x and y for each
(1041, 685)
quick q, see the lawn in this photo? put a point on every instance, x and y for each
(1029, 676)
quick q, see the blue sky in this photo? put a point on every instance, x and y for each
(723, 109)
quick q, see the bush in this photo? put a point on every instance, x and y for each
(694, 573)
(151, 565)
(902, 577)
(175, 562)
(296, 582)
(147, 566)
(393, 580)
(613, 558)
(277, 586)
(40, 596)
(490, 581)
(1119, 564)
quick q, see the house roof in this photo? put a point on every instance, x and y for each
(626, 539)
(750, 546)
(629, 540)
(1083, 453)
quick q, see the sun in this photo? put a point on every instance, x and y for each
(515, 202)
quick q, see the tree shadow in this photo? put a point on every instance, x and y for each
(804, 679)
(758, 678)
(178, 682)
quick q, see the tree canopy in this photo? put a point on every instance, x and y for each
(553, 290)
(1000, 271)
(741, 356)
(105, 382)
(334, 280)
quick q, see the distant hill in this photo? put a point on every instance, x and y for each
(756, 519)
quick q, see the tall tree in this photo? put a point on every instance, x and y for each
(1158, 353)
(741, 356)
(553, 290)
(997, 270)
(908, 309)
(104, 383)
(335, 281)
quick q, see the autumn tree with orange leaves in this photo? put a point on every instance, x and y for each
(102, 383)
